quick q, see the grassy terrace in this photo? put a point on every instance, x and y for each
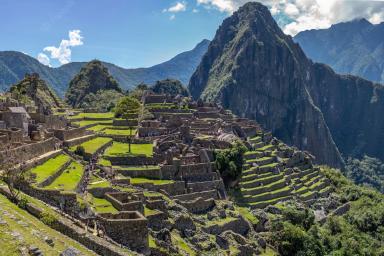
(246, 213)
(69, 179)
(96, 182)
(88, 122)
(109, 115)
(16, 233)
(126, 132)
(154, 182)
(137, 168)
(49, 167)
(121, 149)
(266, 147)
(93, 145)
(100, 205)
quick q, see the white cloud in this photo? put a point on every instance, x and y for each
(195, 11)
(43, 59)
(310, 14)
(178, 7)
(63, 52)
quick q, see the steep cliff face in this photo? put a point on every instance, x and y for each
(255, 70)
(353, 109)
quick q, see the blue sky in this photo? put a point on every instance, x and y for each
(130, 33)
(141, 33)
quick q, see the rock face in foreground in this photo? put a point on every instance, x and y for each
(258, 72)
(93, 79)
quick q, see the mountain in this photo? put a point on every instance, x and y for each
(355, 47)
(33, 91)
(92, 84)
(254, 69)
(14, 65)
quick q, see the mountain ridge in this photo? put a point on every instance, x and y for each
(14, 65)
(355, 47)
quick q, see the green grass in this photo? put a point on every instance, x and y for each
(138, 168)
(121, 149)
(25, 224)
(181, 244)
(98, 128)
(69, 179)
(93, 115)
(100, 205)
(246, 213)
(149, 212)
(49, 167)
(119, 132)
(155, 182)
(220, 222)
(266, 147)
(98, 183)
(93, 145)
(104, 162)
(88, 122)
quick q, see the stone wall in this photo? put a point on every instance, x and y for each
(124, 201)
(199, 205)
(68, 228)
(127, 228)
(32, 150)
(68, 134)
(239, 226)
(124, 122)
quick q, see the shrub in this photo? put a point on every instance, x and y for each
(23, 202)
(80, 151)
(230, 161)
(48, 219)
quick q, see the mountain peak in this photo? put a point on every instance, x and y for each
(92, 78)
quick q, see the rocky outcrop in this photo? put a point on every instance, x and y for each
(258, 72)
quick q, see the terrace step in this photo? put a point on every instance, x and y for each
(262, 161)
(283, 192)
(40, 159)
(262, 181)
(255, 139)
(79, 140)
(139, 171)
(264, 189)
(192, 196)
(264, 204)
(253, 155)
(258, 145)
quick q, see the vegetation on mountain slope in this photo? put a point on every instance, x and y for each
(367, 171)
(34, 91)
(353, 47)
(358, 232)
(93, 87)
(13, 66)
(170, 86)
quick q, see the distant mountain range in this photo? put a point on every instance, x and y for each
(14, 65)
(355, 47)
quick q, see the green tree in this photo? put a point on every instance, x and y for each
(126, 106)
